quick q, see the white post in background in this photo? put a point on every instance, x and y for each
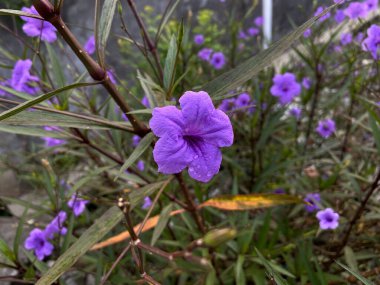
(268, 20)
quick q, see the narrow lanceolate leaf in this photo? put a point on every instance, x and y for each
(165, 17)
(375, 126)
(356, 274)
(41, 98)
(10, 12)
(139, 150)
(272, 273)
(30, 131)
(161, 224)
(250, 202)
(150, 224)
(245, 71)
(104, 28)
(6, 251)
(170, 63)
(96, 232)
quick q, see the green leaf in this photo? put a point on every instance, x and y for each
(28, 131)
(20, 227)
(138, 151)
(170, 61)
(96, 232)
(277, 278)
(42, 267)
(350, 258)
(239, 271)
(245, 71)
(375, 129)
(41, 98)
(162, 222)
(106, 18)
(356, 274)
(7, 252)
(10, 12)
(165, 18)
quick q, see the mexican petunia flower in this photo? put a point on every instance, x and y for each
(371, 4)
(312, 199)
(191, 137)
(38, 242)
(89, 46)
(295, 112)
(307, 33)
(306, 82)
(243, 101)
(78, 205)
(199, 39)
(36, 28)
(285, 87)
(56, 225)
(140, 165)
(339, 16)
(135, 140)
(326, 128)
(372, 42)
(345, 39)
(328, 219)
(205, 54)
(218, 60)
(147, 203)
(320, 11)
(52, 142)
(356, 10)
(227, 105)
(259, 21)
(21, 79)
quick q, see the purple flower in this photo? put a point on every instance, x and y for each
(242, 35)
(38, 242)
(78, 205)
(135, 140)
(227, 105)
(35, 27)
(371, 4)
(21, 77)
(145, 102)
(191, 137)
(253, 31)
(345, 39)
(339, 1)
(339, 16)
(312, 199)
(307, 33)
(338, 48)
(2, 92)
(279, 191)
(52, 142)
(111, 76)
(243, 101)
(285, 87)
(328, 219)
(319, 11)
(205, 54)
(56, 225)
(360, 37)
(147, 203)
(372, 42)
(199, 39)
(295, 112)
(326, 128)
(258, 21)
(140, 165)
(218, 60)
(306, 82)
(90, 47)
(356, 10)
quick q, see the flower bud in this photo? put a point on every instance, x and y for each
(217, 237)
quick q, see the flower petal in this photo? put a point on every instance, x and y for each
(166, 120)
(172, 154)
(206, 163)
(196, 107)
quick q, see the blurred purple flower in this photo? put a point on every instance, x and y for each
(36, 28)
(218, 60)
(371, 4)
(306, 82)
(328, 219)
(319, 11)
(372, 42)
(140, 165)
(147, 203)
(243, 101)
(356, 10)
(326, 128)
(253, 31)
(56, 225)
(339, 1)
(3, 92)
(295, 112)
(78, 205)
(38, 242)
(135, 140)
(258, 21)
(360, 37)
(111, 76)
(199, 39)
(52, 142)
(313, 199)
(285, 87)
(89, 46)
(205, 54)
(227, 105)
(345, 39)
(339, 16)
(21, 77)
(307, 33)
(242, 35)
(145, 102)
(191, 137)
(279, 191)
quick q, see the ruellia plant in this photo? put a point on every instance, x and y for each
(199, 156)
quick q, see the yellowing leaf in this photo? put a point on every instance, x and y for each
(250, 202)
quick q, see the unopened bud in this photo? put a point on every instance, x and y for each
(217, 237)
